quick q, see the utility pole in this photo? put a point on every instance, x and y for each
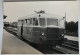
(65, 16)
(65, 21)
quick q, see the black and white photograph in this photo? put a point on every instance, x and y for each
(40, 27)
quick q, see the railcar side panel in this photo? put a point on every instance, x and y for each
(19, 31)
(27, 33)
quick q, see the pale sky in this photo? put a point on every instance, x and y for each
(15, 10)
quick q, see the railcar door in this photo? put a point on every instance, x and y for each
(20, 28)
(36, 30)
(27, 29)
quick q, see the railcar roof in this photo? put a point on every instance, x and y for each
(42, 15)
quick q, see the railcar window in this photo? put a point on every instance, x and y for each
(62, 25)
(42, 21)
(31, 21)
(19, 22)
(26, 20)
(22, 22)
(35, 21)
(52, 22)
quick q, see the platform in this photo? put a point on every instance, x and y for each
(13, 45)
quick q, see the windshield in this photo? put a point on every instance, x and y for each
(52, 22)
(42, 21)
(62, 24)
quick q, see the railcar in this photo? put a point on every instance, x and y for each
(42, 28)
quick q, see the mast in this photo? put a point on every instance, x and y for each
(65, 16)
(65, 19)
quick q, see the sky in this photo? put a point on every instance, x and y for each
(15, 10)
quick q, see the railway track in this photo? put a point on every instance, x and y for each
(64, 50)
(71, 46)
(68, 47)
(59, 50)
(76, 45)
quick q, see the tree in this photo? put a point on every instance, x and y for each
(71, 26)
(76, 24)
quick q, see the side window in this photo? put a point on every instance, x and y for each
(62, 25)
(35, 21)
(23, 22)
(19, 22)
(42, 21)
(29, 21)
(26, 20)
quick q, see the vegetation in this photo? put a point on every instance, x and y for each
(71, 28)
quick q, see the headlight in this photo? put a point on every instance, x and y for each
(62, 34)
(42, 33)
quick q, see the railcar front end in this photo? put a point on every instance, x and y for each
(51, 31)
